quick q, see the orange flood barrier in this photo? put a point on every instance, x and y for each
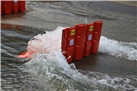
(68, 43)
(81, 40)
(77, 42)
(12, 6)
(6, 7)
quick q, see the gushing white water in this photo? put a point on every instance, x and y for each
(127, 50)
(46, 43)
(55, 74)
(51, 42)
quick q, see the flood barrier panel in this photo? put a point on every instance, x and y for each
(12, 6)
(81, 40)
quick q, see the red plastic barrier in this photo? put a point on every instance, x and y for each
(12, 6)
(96, 37)
(79, 41)
(26, 54)
(21, 6)
(6, 7)
(88, 39)
(68, 43)
(15, 6)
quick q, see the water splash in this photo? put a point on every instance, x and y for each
(50, 64)
(51, 42)
(126, 50)
(54, 73)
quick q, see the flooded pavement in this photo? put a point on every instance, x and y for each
(112, 69)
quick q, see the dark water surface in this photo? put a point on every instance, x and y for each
(101, 72)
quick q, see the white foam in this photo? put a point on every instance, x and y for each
(51, 70)
(116, 82)
(51, 66)
(49, 61)
(46, 43)
(51, 41)
(127, 50)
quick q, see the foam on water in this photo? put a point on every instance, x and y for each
(49, 63)
(127, 50)
(55, 74)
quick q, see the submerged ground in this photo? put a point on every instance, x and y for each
(113, 69)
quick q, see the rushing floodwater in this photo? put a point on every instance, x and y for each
(50, 72)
